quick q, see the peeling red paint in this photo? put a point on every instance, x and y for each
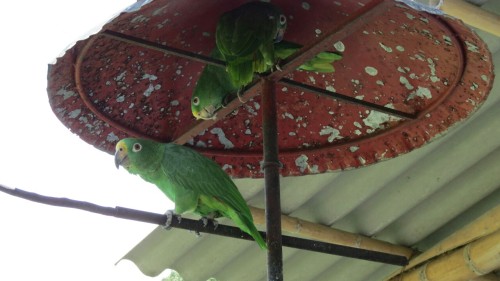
(434, 67)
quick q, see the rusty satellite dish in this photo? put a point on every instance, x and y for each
(419, 74)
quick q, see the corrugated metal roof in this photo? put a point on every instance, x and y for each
(414, 200)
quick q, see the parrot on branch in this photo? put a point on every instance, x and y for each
(214, 88)
(193, 182)
(245, 37)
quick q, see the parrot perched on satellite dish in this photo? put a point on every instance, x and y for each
(214, 88)
(245, 37)
(193, 182)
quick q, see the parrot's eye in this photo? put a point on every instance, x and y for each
(196, 101)
(137, 147)
(282, 19)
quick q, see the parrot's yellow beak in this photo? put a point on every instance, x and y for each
(121, 152)
(196, 114)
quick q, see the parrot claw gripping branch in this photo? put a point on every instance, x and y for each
(168, 222)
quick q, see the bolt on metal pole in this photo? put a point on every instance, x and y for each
(271, 168)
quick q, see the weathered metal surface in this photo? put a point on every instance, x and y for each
(429, 66)
(272, 183)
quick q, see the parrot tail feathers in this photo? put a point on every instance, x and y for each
(252, 230)
(322, 62)
(328, 56)
(245, 223)
(317, 67)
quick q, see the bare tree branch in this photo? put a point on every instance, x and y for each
(197, 226)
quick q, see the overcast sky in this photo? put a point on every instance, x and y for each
(39, 242)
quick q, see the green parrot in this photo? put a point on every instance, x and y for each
(214, 88)
(193, 182)
(245, 37)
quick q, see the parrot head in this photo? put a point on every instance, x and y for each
(138, 155)
(280, 28)
(201, 110)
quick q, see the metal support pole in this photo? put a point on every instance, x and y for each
(272, 182)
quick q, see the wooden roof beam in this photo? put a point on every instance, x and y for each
(473, 15)
(475, 259)
(485, 225)
(487, 277)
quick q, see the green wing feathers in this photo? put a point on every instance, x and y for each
(192, 173)
(245, 37)
(237, 46)
(240, 73)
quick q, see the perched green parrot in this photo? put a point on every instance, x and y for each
(245, 37)
(193, 182)
(214, 88)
